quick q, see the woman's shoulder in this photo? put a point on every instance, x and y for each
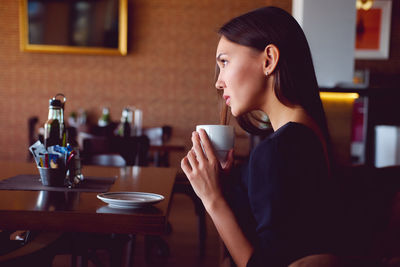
(290, 134)
(291, 142)
(294, 129)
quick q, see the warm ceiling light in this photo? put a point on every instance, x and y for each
(364, 4)
(340, 96)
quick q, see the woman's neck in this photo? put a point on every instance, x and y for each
(280, 114)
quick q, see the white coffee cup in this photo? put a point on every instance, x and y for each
(222, 138)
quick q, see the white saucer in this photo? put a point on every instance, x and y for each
(129, 200)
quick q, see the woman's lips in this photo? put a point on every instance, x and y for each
(227, 99)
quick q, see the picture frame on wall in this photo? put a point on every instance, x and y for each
(373, 31)
(78, 27)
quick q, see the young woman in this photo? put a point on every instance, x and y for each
(278, 209)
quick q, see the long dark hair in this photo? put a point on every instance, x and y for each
(295, 82)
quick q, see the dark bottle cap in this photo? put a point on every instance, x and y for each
(55, 103)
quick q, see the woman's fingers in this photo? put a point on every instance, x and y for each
(192, 159)
(227, 165)
(207, 145)
(197, 147)
(186, 166)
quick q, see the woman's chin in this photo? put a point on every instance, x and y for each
(239, 112)
(234, 112)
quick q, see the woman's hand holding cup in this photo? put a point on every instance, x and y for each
(212, 151)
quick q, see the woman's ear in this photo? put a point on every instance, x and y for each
(271, 58)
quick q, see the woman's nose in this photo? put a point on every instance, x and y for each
(219, 84)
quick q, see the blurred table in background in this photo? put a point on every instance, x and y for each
(159, 150)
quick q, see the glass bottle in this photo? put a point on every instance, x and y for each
(54, 128)
(63, 128)
(125, 126)
(138, 122)
(105, 119)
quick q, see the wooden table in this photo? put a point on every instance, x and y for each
(83, 212)
(175, 144)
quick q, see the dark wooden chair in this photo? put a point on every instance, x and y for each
(133, 149)
(107, 130)
(38, 249)
(100, 150)
(115, 151)
(159, 135)
(32, 135)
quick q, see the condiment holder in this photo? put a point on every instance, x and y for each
(52, 176)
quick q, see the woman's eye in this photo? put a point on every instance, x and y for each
(224, 62)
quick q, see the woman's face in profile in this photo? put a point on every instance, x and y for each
(241, 76)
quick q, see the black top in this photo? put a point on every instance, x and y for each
(283, 198)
